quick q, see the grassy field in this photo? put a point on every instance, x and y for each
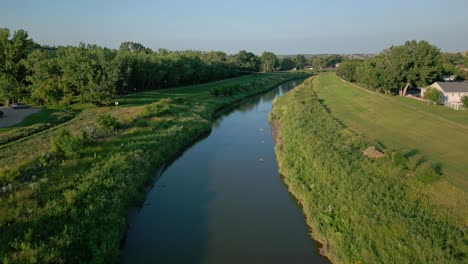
(64, 196)
(395, 209)
(437, 133)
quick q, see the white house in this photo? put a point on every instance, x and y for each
(452, 92)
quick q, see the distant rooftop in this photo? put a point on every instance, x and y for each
(454, 87)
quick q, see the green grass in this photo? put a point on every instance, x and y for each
(68, 204)
(364, 210)
(438, 133)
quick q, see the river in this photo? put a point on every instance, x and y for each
(223, 200)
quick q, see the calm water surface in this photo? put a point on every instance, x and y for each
(223, 201)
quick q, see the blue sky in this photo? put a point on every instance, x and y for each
(284, 27)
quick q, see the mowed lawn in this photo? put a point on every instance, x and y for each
(438, 133)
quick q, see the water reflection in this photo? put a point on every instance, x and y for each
(223, 200)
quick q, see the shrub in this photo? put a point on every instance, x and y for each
(413, 162)
(426, 174)
(108, 122)
(464, 101)
(433, 95)
(141, 122)
(159, 108)
(66, 144)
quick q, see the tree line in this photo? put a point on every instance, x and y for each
(413, 64)
(87, 73)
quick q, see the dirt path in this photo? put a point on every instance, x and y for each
(14, 116)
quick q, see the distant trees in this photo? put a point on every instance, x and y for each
(300, 61)
(433, 95)
(286, 64)
(269, 61)
(246, 61)
(451, 61)
(93, 74)
(325, 61)
(399, 67)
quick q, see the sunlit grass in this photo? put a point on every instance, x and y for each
(364, 210)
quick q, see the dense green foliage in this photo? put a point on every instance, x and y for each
(363, 210)
(464, 101)
(286, 64)
(414, 64)
(269, 61)
(66, 144)
(433, 95)
(325, 61)
(89, 73)
(12, 71)
(300, 61)
(455, 64)
(64, 191)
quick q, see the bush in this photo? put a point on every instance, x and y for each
(66, 144)
(433, 95)
(108, 122)
(159, 108)
(464, 101)
(426, 174)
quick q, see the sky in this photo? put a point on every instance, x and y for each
(283, 27)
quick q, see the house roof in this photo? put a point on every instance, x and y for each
(454, 87)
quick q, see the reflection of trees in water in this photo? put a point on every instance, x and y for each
(250, 103)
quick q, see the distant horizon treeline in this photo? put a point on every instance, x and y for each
(413, 64)
(44, 75)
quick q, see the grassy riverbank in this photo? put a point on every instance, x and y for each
(66, 202)
(363, 210)
(437, 133)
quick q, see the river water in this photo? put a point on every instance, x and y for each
(223, 200)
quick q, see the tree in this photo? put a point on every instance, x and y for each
(452, 58)
(317, 62)
(133, 47)
(400, 67)
(300, 61)
(286, 64)
(412, 64)
(12, 71)
(433, 95)
(9, 88)
(464, 101)
(348, 70)
(246, 61)
(269, 61)
(44, 77)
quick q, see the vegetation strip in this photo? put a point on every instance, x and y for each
(68, 204)
(436, 133)
(361, 209)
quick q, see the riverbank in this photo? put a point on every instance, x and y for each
(71, 206)
(360, 209)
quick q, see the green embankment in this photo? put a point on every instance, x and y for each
(363, 210)
(439, 133)
(67, 204)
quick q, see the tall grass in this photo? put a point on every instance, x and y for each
(71, 207)
(362, 210)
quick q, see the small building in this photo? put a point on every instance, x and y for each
(452, 92)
